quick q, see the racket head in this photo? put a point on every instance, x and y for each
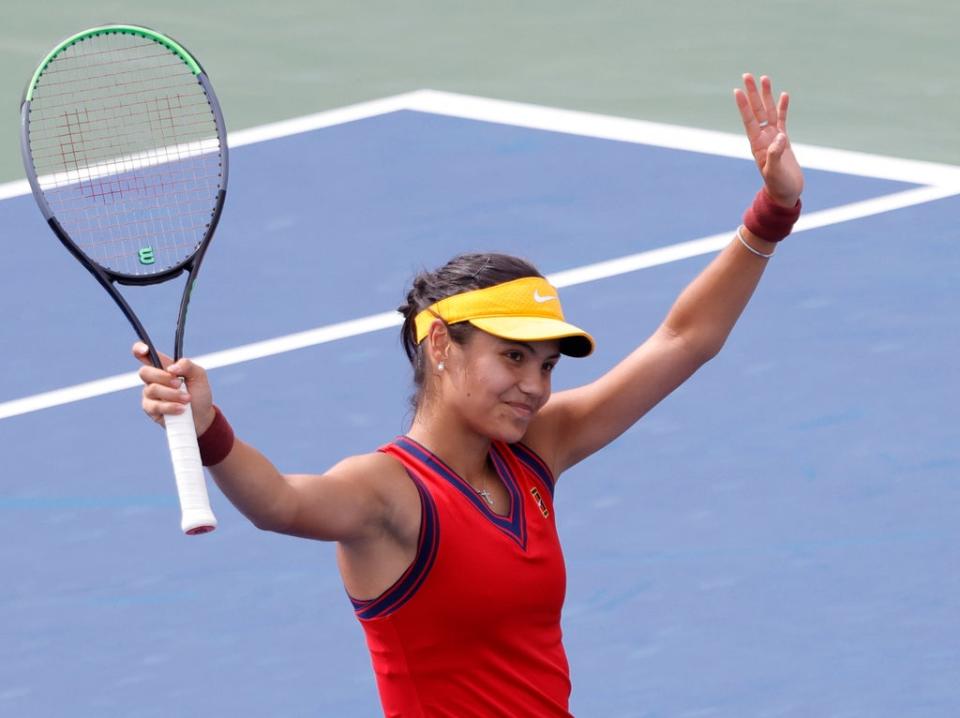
(125, 148)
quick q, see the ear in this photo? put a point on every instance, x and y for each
(438, 342)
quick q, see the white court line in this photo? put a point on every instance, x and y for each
(247, 352)
(723, 144)
(716, 242)
(385, 320)
(276, 130)
(942, 180)
(319, 120)
(128, 163)
(587, 124)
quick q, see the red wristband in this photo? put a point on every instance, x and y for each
(217, 441)
(769, 220)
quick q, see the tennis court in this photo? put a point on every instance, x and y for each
(777, 539)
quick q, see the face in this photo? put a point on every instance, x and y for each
(497, 386)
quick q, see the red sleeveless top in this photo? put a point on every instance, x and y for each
(472, 629)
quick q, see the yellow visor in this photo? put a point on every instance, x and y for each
(526, 310)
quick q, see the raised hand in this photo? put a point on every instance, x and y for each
(765, 123)
(162, 395)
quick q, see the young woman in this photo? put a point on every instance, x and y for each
(446, 537)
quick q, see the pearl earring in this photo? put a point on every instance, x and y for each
(440, 366)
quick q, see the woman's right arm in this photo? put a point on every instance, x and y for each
(348, 503)
(344, 504)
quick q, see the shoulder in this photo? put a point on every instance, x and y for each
(360, 466)
(528, 457)
(376, 470)
(541, 439)
(382, 478)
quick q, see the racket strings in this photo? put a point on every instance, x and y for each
(68, 121)
(125, 145)
(117, 78)
(108, 144)
(115, 189)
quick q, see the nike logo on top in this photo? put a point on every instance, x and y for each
(541, 299)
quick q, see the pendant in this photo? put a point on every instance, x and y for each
(486, 495)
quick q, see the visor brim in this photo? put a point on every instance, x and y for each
(574, 342)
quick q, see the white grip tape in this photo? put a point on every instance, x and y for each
(197, 516)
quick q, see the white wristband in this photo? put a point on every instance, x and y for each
(744, 243)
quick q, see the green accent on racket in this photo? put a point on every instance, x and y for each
(145, 32)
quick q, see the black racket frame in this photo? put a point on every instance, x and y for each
(107, 277)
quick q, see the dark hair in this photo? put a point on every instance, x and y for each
(463, 273)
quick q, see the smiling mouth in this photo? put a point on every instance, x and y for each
(523, 410)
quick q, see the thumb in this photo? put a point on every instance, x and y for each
(777, 147)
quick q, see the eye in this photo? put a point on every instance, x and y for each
(514, 355)
(549, 366)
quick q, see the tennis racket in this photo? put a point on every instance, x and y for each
(125, 149)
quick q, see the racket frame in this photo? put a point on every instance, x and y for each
(107, 277)
(180, 428)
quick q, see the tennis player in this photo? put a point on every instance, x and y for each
(446, 537)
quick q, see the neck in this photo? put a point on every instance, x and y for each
(462, 449)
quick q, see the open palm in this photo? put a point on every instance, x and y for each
(765, 123)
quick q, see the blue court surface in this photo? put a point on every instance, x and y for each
(778, 538)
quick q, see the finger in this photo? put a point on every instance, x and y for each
(756, 104)
(185, 368)
(159, 392)
(157, 409)
(149, 374)
(156, 419)
(775, 154)
(782, 108)
(142, 352)
(766, 93)
(746, 114)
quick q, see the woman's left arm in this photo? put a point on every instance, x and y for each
(578, 422)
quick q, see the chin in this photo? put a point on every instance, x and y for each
(511, 437)
(509, 431)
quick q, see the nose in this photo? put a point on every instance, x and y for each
(534, 384)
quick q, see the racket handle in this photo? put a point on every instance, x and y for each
(196, 515)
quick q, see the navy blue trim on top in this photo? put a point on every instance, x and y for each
(532, 461)
(406, 586)
(513, 524)
(519, 523)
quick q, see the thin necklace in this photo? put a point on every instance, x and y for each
(481, 492)
(484, 493)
